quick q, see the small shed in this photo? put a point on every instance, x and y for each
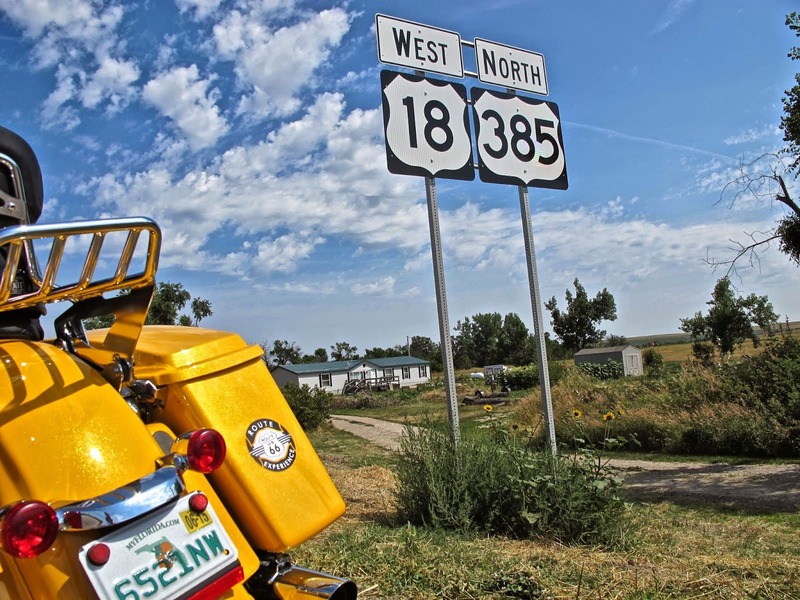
(629, 356)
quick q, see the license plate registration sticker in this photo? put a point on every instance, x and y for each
(171, 553)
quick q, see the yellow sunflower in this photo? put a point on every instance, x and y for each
(609, 416)
(576, 413)
(488, 407)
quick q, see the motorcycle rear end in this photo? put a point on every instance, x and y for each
(138, 461)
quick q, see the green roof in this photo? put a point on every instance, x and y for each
(348, 365)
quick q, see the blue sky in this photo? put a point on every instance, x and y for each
(252, 132)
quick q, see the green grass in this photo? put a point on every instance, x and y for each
(673, 553)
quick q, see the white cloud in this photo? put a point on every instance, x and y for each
(184, 97)
(274, 66)
(113, 81)
(203, 8)
(284, 253)
(34, 16)
(382, 287)
(752, 134)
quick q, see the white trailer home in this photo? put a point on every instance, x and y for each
(395, 372)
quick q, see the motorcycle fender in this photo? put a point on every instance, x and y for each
(65, 436)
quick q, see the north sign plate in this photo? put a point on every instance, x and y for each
(510, 67)
(426, 126)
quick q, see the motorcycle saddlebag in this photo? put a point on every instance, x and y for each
(272, 480)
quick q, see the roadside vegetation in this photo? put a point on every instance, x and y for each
(500, 518)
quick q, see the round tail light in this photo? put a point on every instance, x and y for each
(29, 528)
(206, 450)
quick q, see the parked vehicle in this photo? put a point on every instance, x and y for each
(137, 462)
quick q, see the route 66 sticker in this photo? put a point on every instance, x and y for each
(271, 445)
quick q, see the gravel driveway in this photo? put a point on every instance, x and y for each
(753, 488)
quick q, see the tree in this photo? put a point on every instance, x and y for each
(516, 343)
(463, 341)
(320, 356)
(577, 326)
(281, 352)
(425, 348)
(488, 328)
(168, 301)
(378, 352)
(729, 321)
(767, 182)
(343, 351)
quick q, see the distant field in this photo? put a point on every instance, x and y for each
(677, 346)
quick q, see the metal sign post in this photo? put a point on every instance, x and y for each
(441, 303)
(538, 325)
(427, 130)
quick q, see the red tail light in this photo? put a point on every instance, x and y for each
(206, 450)
(29, 528)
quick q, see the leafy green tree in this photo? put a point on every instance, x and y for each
(344, 351)
(790, 122)
(320, 356)
(464, 353)
(425, 348)
(281, 352)
(169, 299)
(516, 346)
(378, 352)
(729, 321)
(487, 332)
(576, 327)
(616, 340)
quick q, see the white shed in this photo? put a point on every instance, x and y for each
(629, 356)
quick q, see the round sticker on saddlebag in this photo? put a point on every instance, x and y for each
(271, 445)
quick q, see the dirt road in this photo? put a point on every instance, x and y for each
(752, 488)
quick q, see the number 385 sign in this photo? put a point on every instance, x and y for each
(427, 129)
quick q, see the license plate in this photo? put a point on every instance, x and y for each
(171, 553)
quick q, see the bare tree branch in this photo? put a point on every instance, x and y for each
(760, 182)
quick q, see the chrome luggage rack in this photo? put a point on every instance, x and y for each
(17, 242)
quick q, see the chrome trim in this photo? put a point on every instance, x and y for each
(123, 504)
(296, 583)
(19, 237)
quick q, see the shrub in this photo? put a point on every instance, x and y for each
(495, 481)
(527, 377)
(611, 369)
(653, 362)
(311, 406)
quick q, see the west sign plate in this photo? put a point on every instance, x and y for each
(519, 140)
(426, 124)
(421, 47)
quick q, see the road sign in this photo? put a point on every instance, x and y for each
(409, 44)
(426, 126)
(519, 140)
(510, 67)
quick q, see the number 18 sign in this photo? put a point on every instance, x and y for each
(426, 125)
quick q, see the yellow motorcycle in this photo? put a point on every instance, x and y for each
(137, 462)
